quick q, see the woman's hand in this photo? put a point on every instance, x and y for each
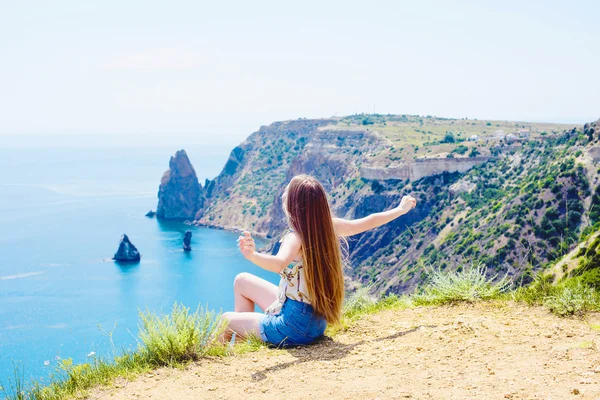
(246, 244)
(407, 203)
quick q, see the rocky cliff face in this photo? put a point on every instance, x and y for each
(421, 168)
(247, 192)
(180, 195)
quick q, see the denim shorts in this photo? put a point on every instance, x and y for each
(296, 324)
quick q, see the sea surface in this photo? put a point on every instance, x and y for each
(63, 207)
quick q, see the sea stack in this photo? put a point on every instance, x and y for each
(150, 214)
(127, 251)
(187, 241)
(180, 195)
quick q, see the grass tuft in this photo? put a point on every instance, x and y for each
(180, 336)
(568, 297)
(358, 301)
(573, 300)
(464, 285)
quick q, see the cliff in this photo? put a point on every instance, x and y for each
(247, 192)
(469, 192)
(180, 195)
(421, 168)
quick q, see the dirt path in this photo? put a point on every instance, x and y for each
(486, 351)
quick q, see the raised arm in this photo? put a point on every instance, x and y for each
(345, 227)
(288, 250)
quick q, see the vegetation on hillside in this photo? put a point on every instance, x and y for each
(414, 136)
(527, 208)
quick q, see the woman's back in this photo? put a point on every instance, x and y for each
(292, 285)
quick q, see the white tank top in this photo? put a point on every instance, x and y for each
(292, 285)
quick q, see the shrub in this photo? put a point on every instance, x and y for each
(448, 138)
(460, 149)
(470, 284)
(573, 299)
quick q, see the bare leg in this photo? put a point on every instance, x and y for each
(249, 289)
(242, 323)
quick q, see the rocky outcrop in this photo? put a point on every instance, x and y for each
(180, 195)
(187, 241)
(151, 214)
(421, 168)
(243, 194)
(461, 187)
(127, 252)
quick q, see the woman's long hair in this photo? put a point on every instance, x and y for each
(310, 217)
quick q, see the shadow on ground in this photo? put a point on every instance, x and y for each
(326, 349)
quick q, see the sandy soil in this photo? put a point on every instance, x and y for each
(485, 351)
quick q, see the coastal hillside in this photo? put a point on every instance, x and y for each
(513, 196)
(481, 351)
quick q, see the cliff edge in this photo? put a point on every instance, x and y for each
(481, 351)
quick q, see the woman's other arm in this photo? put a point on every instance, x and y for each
(288, 250)
(345, 227)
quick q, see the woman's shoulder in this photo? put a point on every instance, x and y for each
(291, 236)
(292, 239)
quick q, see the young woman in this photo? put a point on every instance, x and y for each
(309, 261)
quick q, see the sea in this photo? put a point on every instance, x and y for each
(65, 201)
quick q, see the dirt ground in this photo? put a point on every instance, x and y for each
(484, 351)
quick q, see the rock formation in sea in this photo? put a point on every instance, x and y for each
(187, 241)
(127, 252)
(180, 195)
(150, 214)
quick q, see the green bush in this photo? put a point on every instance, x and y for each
(448, 138)
(573, 299)
(591, 278)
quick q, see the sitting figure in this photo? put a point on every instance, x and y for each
(311, 290)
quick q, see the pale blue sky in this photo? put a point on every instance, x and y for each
(193, 67)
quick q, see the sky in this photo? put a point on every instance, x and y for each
(220, 70)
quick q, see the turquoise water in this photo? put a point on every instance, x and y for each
(62, 212)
